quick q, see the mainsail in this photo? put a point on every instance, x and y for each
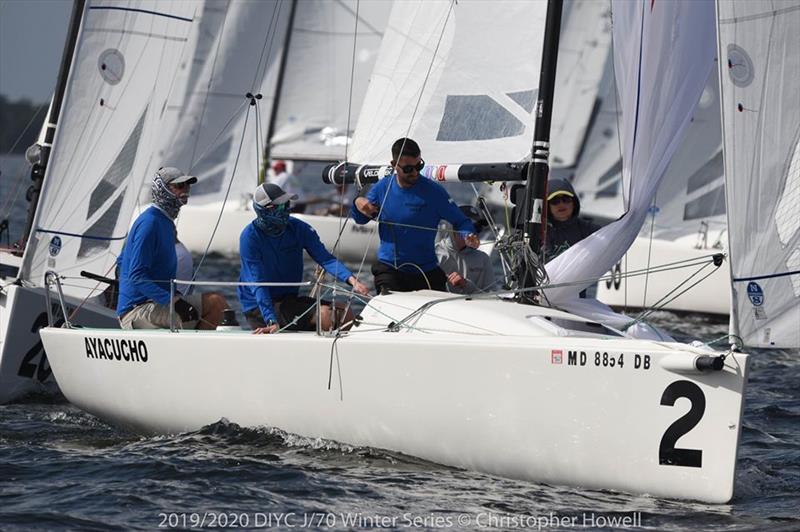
(760, 80)
(463, 88)
(121, 75)
(319, 102)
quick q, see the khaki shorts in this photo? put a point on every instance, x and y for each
(152, 315)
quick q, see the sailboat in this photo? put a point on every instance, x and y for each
(221, 141)
(94, 150)
(485, 383)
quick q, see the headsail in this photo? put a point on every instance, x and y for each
(122, 72)
(659, 79)
(760, 80)
(423, 84)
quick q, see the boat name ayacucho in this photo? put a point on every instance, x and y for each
(600, 359)
(124, 350)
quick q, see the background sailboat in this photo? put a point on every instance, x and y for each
(311, 80)
(115, 87)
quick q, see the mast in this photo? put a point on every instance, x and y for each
(40, 165)
(278, 86)
(536, 187)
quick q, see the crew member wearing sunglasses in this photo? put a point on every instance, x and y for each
(271, 250)
(564, 226)
(409, 210)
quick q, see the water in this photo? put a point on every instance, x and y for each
(62, 468)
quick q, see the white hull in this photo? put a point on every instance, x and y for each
(710, 296)
(196, 224)
(460, 393)
(24, 366)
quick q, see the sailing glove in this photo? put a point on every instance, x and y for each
(185, 310)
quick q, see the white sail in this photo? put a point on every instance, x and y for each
(583, 51)
(659, 79)
(125, 61)
(598, 175)
(760, 80)
(199, 48)
(318, 105)
(242, 60)
(459, 78)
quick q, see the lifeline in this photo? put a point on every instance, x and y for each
(127, 350)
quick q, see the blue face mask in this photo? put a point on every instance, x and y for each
(272, 221)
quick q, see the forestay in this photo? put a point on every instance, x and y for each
(760, 80)
(663, 53)
(425, 86)
(122, 72)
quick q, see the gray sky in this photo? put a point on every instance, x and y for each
(32, 34)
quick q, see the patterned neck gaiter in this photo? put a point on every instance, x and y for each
(165, 199)
(271, 222)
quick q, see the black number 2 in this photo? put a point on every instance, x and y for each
(667, 453)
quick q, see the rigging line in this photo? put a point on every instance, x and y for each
(647, 313)
(12, 198)
(225, 199)
(208, 87)
(259, 140)
(358, 17)
(27, 126)
(213, 143)
(269, 37)
(96, 286)
(617, 114)
(649, 246)
(347, 132)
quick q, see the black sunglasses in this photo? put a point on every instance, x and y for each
(407, 169)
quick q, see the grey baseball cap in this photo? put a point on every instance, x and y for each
(171, 175)
(267, 194)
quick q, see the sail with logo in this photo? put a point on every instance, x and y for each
(760, 80)
(118, 70)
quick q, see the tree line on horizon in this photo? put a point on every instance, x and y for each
(14, 116)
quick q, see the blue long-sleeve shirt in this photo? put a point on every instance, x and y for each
(279, 259)
(148, 261)
(422, 205)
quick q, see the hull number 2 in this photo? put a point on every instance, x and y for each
(668, 454)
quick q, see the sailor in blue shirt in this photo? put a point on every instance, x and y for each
(271, 250)
(148, 262)
(409, 210)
